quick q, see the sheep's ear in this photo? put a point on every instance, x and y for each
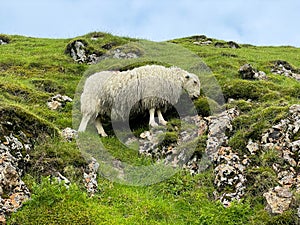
(187, 76)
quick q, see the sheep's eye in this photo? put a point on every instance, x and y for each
(195, 82)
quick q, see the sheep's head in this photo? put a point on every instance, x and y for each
(191, 84)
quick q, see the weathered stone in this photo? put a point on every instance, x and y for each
(90, 176)
(229, 173)
(252, 147)
(232, 44)
(2, 42)
(80, 53)
(279, 200)
(284, 68)
(69, 134)
(203, 43)
(286, 178)
(288, 156)
(58, 101)
(218, 126)
(248, 72)
(10, 183)
(229, 44)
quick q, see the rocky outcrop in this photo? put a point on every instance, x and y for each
(248, 72)
(284, 68)
(172, 153)
(80, 53)
(58, 101)
(230, 175)
(218, 126)
(284, 138)
(123, 52)
(4, 40)
(201, 40)
(13, 191)
(203, 43)
(90, 177)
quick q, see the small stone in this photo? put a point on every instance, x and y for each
(69, 134)
(54, 105)
(252, 147)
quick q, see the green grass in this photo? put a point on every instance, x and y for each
(34, 69)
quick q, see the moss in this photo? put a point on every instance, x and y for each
(242, 89)
(169, 139)
(206, 106)
(31, 125)
(49, 86)
(260, 180)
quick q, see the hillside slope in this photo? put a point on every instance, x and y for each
(265, 123)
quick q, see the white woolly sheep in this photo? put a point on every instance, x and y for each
(144, 88)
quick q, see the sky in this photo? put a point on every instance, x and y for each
(258, 22)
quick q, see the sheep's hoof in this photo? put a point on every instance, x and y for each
(164, 123)
(103, 135)
(153, 124)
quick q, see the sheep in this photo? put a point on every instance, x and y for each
(150, 87)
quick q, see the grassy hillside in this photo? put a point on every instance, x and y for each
(32, 70)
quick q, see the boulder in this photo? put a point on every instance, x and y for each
(218, 126)
(58, 101)
(278, 199)
(80, 53)
(4, 40)
(248, 72)
(281, 67)
(69, 134)
(232, 44)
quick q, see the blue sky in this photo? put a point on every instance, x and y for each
(260, 22)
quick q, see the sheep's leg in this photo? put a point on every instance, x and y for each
(83, 124)
(99, 127)
(161, 118)
(152, 122)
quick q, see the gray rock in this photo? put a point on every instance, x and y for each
(2, 42)
(248, 72)
(203, 43)
(90, 177)
(218, 126)
(230, 172)
(232, 44)
(284, 68)
(58, 101)
(80, 53)
(11, 184)
(69, 134)
(279, 200)
(252, 147)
